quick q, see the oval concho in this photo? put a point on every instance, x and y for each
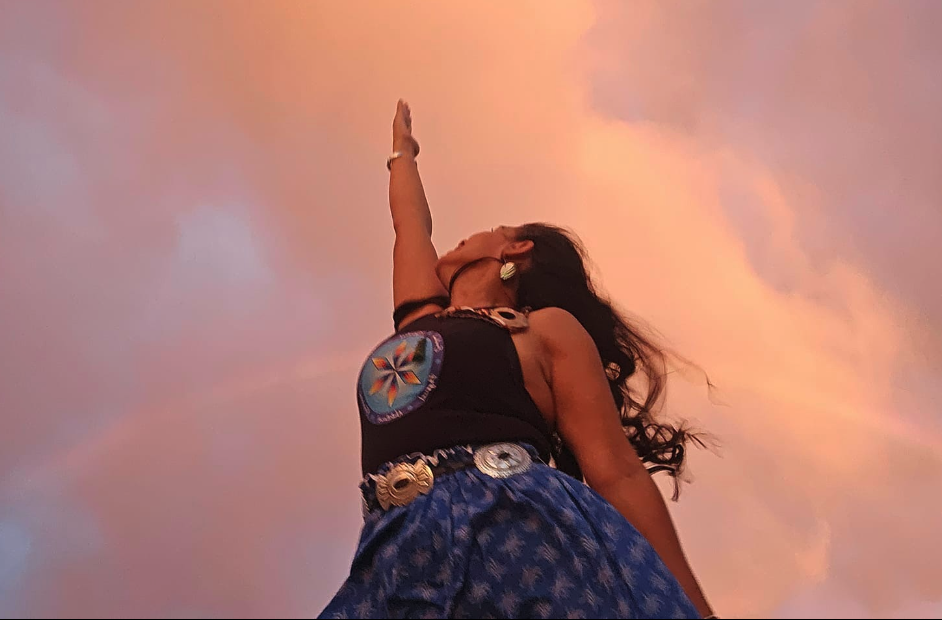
(403, 483)
(502, 460)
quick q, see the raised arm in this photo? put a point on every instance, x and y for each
(414, 256)
(588, 421)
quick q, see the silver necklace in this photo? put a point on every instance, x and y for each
(510, 319)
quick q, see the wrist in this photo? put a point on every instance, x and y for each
(399, 155)
(407, 146)
(404, 153)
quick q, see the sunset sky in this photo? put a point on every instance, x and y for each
(195, 258)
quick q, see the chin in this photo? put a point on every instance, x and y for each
(440, 266)
(447, 265)
(448, 258)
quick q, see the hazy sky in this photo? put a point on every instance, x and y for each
(195, 257)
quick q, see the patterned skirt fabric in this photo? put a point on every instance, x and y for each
(538, 544)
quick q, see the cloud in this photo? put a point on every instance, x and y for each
(197, 250)
(839, 98)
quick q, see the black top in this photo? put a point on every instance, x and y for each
(445, 381)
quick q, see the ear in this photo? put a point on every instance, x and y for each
(517, 250)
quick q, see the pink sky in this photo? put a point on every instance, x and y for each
(195, 257)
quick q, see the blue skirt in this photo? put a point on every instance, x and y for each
(538, 544)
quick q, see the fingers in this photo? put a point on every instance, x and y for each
(402, 124)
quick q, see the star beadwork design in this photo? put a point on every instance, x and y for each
(398, 370)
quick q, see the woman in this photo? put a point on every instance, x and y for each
(503, 361)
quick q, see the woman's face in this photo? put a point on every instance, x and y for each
(495, 243)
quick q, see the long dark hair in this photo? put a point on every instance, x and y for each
(556, 276)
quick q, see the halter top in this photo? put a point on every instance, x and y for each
(446, 379)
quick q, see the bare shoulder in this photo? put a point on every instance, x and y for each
(558, 329)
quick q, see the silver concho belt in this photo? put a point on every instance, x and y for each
(405, 481)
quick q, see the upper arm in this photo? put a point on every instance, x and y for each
(414, 256)
(586, 415)
(414, 260)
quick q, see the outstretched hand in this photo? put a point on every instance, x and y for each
(402, 130)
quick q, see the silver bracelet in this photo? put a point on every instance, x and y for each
(395, 155)
(398, 154)
(389, 160)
